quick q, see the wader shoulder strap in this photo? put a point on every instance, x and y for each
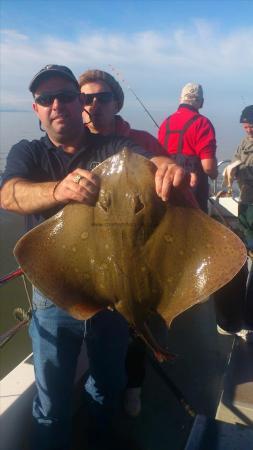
(180, 132)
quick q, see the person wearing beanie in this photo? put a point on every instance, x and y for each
(104, 98)
(241, 168)
(234, 302)
(189, 138)
(247, 116)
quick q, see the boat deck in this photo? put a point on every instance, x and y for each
(236, 404)
(198, 372)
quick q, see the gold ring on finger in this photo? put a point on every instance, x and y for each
(77, 178)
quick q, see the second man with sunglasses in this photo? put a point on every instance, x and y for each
(104, 98)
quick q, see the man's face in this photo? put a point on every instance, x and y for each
(99, 113)
(248, 128)
(60, 115)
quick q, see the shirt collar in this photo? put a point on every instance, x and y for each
(50, 146)
(185, 105)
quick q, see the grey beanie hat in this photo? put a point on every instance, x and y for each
(192, 94)
(99, 75)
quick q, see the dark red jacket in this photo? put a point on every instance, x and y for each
(140, 137)
(199, 138)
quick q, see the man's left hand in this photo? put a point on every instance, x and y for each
(170, 175)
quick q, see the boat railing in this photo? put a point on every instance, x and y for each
(22, 317)
(217, 183)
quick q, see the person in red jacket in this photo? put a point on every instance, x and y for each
(104, 98)
(189, 138)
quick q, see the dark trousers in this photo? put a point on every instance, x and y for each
(135, 362)
(234, 303)
(245, 216)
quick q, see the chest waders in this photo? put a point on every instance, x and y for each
(190, 163)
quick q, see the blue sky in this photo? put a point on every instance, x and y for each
(156, 46)
(55, 16)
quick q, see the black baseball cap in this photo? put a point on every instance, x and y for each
(247, 115)
(50, 70)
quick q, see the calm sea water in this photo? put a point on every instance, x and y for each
(15, 126)
(12, 293)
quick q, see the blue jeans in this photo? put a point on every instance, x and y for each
(57, 340)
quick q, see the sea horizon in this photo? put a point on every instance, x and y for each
(16, 125)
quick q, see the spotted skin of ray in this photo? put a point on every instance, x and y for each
(130, 250)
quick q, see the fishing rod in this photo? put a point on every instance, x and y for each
(243, 100)
(135, 95)
(173, 387)
(8, 335)
(10, 276)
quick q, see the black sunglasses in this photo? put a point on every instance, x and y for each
(102, 97)
(62, 96)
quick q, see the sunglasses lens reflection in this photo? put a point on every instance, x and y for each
(63, 97)
(102, 97)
